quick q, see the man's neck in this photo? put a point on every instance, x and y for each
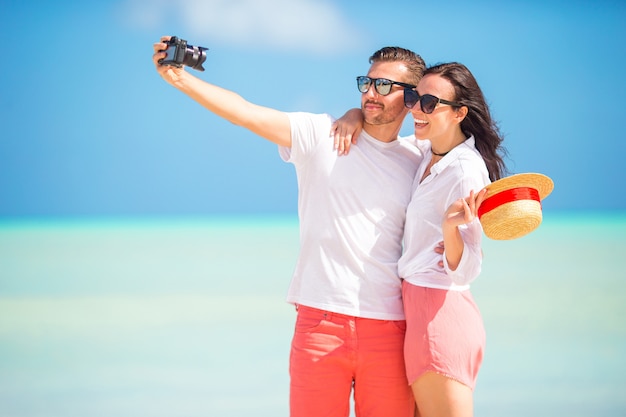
(383, 133)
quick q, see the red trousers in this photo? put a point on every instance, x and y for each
(332, 354)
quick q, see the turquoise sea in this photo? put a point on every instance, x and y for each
(186, 317)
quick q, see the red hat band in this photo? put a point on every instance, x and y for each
(508, 196)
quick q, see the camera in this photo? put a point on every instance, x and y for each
(180, 53)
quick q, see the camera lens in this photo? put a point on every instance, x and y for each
(195, 57)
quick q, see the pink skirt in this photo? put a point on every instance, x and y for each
(445, 334)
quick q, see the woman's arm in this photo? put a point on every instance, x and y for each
(346, 130)
(462, 211)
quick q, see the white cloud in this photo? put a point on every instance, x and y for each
(313, 26)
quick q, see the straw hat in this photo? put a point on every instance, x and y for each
(512, 208)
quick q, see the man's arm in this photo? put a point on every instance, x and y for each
(271, 124)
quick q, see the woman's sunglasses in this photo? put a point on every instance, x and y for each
(382, 85)
(428, 102)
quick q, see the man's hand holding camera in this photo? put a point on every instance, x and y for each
(172, 53)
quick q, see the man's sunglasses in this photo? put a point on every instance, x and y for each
(428, 102)
(382, 85)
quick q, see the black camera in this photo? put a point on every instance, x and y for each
(180, 53)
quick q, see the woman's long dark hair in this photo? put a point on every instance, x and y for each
(478, 121)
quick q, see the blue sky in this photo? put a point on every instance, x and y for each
(90, 129)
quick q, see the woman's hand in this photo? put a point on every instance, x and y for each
(346, 130)
(464, 210)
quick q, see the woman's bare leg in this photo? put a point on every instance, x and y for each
(439, 396)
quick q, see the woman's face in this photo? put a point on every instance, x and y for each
(443, 122)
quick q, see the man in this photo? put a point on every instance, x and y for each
(350, 324)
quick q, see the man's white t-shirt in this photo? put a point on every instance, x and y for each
(352, 213)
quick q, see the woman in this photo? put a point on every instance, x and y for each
(445, 335)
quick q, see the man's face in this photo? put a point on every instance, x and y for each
(385, 109)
